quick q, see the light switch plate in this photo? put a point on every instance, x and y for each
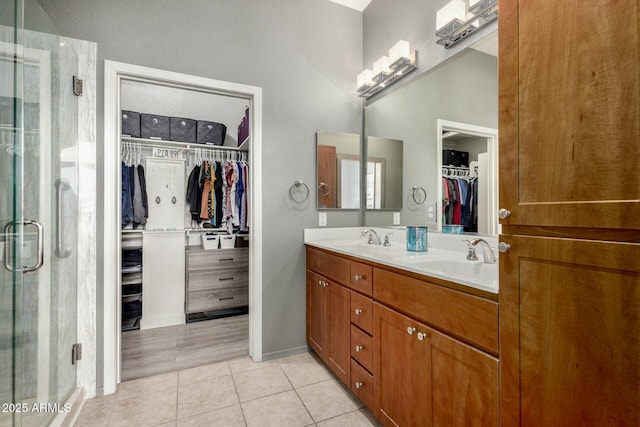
(322, 219)
(396, 218)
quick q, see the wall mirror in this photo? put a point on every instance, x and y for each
(338, 168)
(461, 91)
(383, 176)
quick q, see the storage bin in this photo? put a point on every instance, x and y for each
(417, 238)
(210, 241)
(211, 133)
(455, 158)
(183, 130)
(227, 241)
(153, 126)
(130, 123)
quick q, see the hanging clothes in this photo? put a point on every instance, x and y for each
(217, 189)
(206, 191)
(127, 196)
(139, 211)
(194, 194)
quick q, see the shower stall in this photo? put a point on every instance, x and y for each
(38, 217)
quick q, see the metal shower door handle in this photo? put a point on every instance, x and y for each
(8, 231)
(61, 187)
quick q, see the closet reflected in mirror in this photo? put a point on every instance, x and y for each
(338, 168)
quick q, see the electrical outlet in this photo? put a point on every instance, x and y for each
(322, 219)
(396, 218)
(432, 215)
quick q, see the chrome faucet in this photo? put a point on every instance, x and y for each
(487, 253)
(374, 239)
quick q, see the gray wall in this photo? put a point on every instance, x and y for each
(462, 89)
(387, 21)
(305, 56)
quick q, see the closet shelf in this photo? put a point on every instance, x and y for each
(186, 145)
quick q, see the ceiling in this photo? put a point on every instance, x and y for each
(358, 5)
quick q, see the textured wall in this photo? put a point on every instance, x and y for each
(305, 56)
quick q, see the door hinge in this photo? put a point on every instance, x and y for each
(77, 86)
(76, 353)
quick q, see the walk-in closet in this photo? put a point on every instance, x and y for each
(183, 226)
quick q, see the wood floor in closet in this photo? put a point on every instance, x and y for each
(168, 349)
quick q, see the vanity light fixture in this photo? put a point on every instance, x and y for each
(454, 22)
(386, 70)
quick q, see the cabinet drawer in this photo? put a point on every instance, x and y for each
(362, 384)
(201, 259)
(217, 299)
(362, 312)
(331, 266)
(362, 348)
(361, 278)
(468, 317)
(216, 279)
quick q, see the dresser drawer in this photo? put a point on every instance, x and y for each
(222, 258)
(468, 317)
(361, 278)
(362, 347)
(218, 299)
(362, 312)
(215, 279)
(362, 384)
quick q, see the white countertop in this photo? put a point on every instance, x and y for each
(445, 258)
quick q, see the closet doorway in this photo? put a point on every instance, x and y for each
(176, 285)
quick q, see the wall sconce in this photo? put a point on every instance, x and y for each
(457, 20)
(388, 69)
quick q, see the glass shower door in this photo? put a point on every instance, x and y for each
(38, 216)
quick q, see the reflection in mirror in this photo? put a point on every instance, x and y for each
(462, 89)
(384, 173)
(338, 167)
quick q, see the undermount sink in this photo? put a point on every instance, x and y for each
(460, 268)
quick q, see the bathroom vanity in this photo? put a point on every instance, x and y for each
(414, 344)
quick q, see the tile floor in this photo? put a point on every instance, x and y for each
(292, 391)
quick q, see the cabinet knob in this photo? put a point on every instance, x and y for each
(358, 277)
(504, 213)
(411, 330)
(358, 311)
(421, 336)
(320, 282)
(359, 348)
(358, 384)
(504, 247)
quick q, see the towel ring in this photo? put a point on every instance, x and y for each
(415, 195)
(324, 189)
(295, 185)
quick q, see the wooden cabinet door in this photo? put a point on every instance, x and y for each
(464, 383)
(314, 312)
(327, 176)
(401, 371)
(569, 101)
(336, 319)
(569, 332)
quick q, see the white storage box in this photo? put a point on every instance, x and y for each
(210, 241)
(227, 241)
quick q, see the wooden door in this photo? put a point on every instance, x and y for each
(464, 383)
(569, 101)
(401, 371)
(336, 319)
(327, 176)
(314, 312)
(569, 332)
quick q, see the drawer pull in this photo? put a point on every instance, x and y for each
(411, 330)
(358, 311)
(421, 336)
(359, 385)
(358, 277)
(224, 298)
(359, 348)
(224, 279)
(226, 259)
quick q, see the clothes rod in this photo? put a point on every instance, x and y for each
(163, 143)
